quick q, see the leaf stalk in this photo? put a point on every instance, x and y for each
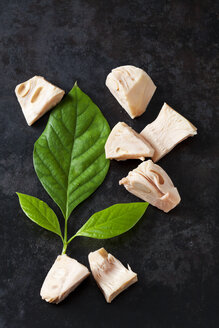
(65, 242)
(71, 238)
(65, 245)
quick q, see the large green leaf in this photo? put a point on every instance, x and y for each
(40, 213)
(113, 221)
(69, 156)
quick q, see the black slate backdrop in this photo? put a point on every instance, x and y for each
(176, 254)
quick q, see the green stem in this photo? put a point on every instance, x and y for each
(65, 242)
(64, 248)
(71, 239)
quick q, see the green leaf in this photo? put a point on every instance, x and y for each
(40, 213)
(69, 156)
(113, 221)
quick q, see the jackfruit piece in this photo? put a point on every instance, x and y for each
(36, 97)
(63, 277)
(152, 184)
(124, 143)
(110, 274)
(166, 131)
(132, 87)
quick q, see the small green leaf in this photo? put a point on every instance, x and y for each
(69, 156)
(40, 213)
(113, 221)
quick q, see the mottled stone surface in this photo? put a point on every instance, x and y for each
(176, 255)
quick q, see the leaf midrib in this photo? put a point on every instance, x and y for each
(111, 219)
(72, 148)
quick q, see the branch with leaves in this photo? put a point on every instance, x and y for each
(108, 223)
(69, 160)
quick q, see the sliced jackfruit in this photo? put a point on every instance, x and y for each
(63, 277)
(166, 131)
(152, 184)
(110, 274)
(36, 97)
(132, 87)
(124, 143)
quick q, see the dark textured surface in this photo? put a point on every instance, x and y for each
(176, 255)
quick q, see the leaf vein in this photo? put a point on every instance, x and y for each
(44, 163)
(78, 188)
(60, 140)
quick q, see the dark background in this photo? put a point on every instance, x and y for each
(176, 255)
